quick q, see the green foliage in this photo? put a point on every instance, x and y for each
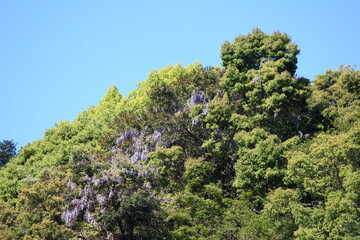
(335, 100)
(259, 81)
(40, 204)
(326, 171)
(324, 164)
(169, 165)
(59, 144)
(254, 49)
(37, 211)
(280, 207)
(7, 151)
(247, 151)
(261, 165)
(169, 85)
(197, 174)
(196, 217)
(8, 217)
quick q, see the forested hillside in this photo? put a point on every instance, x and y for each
(248, 150)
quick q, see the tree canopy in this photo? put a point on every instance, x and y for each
(248, 150)
(7, 151)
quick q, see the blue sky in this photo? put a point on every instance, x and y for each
(57, 58)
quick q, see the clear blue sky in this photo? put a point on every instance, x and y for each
(57, 58)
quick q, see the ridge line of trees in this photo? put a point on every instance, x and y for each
(248, 150)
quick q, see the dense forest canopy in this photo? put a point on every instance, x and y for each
(248, 150)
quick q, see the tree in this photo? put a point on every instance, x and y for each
(255, 49)
(261, 165)
(199, 153)
(39, 206)
(59, 142)
(335, 99)
(325, 170)
(7, 151)
(112, 197)
(260, 82)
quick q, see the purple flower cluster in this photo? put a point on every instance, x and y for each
(127, 135)
(304, 136)
(71, 185)
(264, 60)
(157, 134)
(197, 98)
(29, 180)
(89, 218)
(101, 199)
(147, 185)
(295, 120)
(137, 145)
(219, 95)
(207, 68)
(80, 205)
(141, 145)
(136, 157)
(197, 118)
(143, 156)
(126, 173)
(68, 216)
(205, 109)
(257, 79)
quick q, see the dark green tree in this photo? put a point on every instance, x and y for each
(335, 99)
(255, 49)
(261, 85)
(7, 151)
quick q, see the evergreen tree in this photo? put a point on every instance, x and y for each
(7, 151)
